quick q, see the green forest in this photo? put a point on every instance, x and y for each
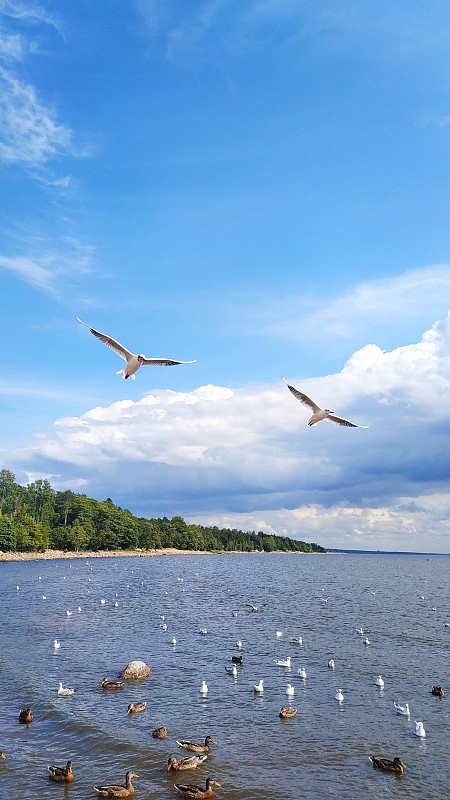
(35, 518)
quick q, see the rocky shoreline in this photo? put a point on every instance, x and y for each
(49, 555)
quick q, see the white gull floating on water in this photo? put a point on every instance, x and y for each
(403, 710)
(259, 688)
(419, 730)
(63, 692)
(284, 662)
(133, 361)
(320, 413)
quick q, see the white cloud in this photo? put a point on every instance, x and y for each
(393, 301)
(247, 455)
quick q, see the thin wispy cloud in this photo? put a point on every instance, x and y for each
(50, 269)
(29, 132)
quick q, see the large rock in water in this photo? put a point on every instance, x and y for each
(136, 670)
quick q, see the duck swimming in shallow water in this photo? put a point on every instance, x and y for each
(191, 790)
(61, 774)
(25, 716)
(388, 765)
(106, 684)
(186, 744)
(135, 708)
(287, 713)
(191, 762)
(437, 691)
(114, 790)
(159, 733)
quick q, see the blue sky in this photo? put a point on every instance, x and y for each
(260, 185)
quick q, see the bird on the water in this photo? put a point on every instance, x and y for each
(65, 692)
(402, 710)
(419, 730)
(159, 733)
(133, 362)
(25, 716)
(191, 762)
(192, 790)
(114, 790)
(61, 774)
(388, 764)
(106, 684)
(287, 713)
(258, 687)
(135, 708)
(437, 691)
(186, 744)
(379, 682)
(320, 413)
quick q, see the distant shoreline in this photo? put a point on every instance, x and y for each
(52, 555)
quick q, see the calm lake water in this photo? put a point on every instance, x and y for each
(320, 754)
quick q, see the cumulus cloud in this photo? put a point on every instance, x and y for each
(246, 457)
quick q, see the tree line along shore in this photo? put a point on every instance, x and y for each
(38, 519)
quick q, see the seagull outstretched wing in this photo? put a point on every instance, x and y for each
(302, 397)
(161, 362)
(340, 421)
(110, 342)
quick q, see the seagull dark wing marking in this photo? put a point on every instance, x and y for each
(345, 422)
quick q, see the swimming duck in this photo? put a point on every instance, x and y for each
(61, 774)
(134, 708)
(237, 660)
(114, 790)
(25, 716)
(197, 748)
(159, 733)
(389, 765)
(185, 763)
(287, 713)
(106, 684)
(191, 790)
(2, 755)
(437, 691)
(64, 692)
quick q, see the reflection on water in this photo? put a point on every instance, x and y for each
(320, 754)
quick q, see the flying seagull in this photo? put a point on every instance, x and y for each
(133, 361)
(320, 413)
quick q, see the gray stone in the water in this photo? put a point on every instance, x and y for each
(136, 670)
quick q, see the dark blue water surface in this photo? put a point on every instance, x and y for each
(402, 603)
